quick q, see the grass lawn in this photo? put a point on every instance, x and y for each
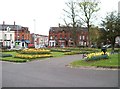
(57, 54)
(111, 62)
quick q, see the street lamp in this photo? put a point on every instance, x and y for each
(34, 29)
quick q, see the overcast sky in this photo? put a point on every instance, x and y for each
(40, 15)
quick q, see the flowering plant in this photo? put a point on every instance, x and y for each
(24, 56)
(97, 56)
(35, 51)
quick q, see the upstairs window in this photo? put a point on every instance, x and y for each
(10, 36)
(80, 37)
(83, 37)
(51, 37)
(60, 36)
(5, 36)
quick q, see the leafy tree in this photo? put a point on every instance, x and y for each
(88, 8)
(111, 23)
(94, 34)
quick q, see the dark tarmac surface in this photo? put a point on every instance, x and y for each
(52, 72)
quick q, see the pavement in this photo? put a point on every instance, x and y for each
(52, 72)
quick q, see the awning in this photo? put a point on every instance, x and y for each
(17, 41)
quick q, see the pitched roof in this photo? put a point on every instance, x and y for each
(13, 27)
(56, 29)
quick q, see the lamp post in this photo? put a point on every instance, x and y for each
(34, 29)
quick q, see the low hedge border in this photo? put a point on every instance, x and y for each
(77, 52)
(15, 60)
(5, 55)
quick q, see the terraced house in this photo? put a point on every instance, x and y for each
(63, 37)
(15, 35)
(7, 37)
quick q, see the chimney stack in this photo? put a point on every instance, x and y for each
(14, 22)
(59, 24)
(3, 22)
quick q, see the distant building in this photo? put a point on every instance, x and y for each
(21, 34)
(7, 37)
(62, 37)
(43, 41)
(39, 41)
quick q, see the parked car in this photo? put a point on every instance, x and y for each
(31, 46)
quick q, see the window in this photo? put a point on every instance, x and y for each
(87, 37)
(50, 37)
(22, 36)
(60, 36)
(65, 37)
(80, 37)
(10, 36)
(55, 37)
(83, 37)
(5, 37)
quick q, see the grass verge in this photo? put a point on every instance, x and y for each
(111, 62)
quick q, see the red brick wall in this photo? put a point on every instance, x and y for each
(68, 34)
(23, 32)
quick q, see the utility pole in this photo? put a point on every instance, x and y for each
(34, 29)
(3, 33)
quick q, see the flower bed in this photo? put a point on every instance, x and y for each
(97, 56)
(35, 51)
(24, 56)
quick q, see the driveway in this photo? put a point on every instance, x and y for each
(52, 72)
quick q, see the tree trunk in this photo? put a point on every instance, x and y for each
(88, 27)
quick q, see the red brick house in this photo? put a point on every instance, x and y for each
(62, 37)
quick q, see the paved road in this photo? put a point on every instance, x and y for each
(52, 72)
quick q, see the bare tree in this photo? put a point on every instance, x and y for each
(71, 15)
(88, 8)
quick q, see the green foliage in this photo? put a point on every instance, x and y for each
(111, 23)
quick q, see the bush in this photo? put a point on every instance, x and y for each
(5, 55)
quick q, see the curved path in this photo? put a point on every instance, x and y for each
(52, 72)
